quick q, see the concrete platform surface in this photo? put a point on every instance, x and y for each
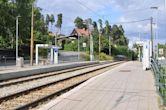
(126, 87)
(17, 72)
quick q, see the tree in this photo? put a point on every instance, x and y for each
(89, 21)
(47, 20)
(95, 35)
(121, 29)
(101, 24)
(59, 22)
(95, 26)
(107, 28)
(118, 35)
(9, 11)
(52, 20)
(79, 23)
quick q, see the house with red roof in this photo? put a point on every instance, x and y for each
(80, 33)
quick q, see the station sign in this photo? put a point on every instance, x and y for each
(84, 45)
(161, 51)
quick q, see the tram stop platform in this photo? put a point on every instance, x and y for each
(125, 87)
(17, 72)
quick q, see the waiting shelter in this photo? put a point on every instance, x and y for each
(54, 52)
(147, 53)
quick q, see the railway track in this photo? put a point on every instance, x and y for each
(25, 83)
(28, 98)
(39, 76)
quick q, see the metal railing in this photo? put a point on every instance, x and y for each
(160, 77)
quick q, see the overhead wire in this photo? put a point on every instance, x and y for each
(128, 22)
(79, 2)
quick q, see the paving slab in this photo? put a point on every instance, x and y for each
(126, 87)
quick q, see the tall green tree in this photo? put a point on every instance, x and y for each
(107, 28)
(118, 35)
(95, 37)
(95, 26)
(100, 24)
(59, 22)
(47, 20)
(79, 23)
(52, 20)
(9, 10)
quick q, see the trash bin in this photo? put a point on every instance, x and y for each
(20, 62)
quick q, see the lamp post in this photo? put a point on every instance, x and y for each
(17, 37)
(91, 43)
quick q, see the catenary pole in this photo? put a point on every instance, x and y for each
(32, 36)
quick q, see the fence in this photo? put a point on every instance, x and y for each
(160, 76)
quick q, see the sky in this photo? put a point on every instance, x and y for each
(116, 12)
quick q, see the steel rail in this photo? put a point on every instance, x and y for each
(24, 92)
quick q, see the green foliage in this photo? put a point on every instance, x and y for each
(118, 36)
(59, 21)
(116, 33)
(124, 50)
(104, 57)
(47, 20)
(107, 28)
(79, 23)
(120, 50)
(43, 53)
(52, 19)
(9, 11)
(4, 42)
(71, 45)
(95, 26)
(85, 56)
(100, 23)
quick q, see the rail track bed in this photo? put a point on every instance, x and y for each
(46, 88)
(39, 76)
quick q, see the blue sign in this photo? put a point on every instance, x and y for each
(55, 50)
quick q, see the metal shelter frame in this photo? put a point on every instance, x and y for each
(54, 52)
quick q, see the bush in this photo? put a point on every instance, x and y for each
(71, 46)
(85, 56)
(124, 50)
(104, 57)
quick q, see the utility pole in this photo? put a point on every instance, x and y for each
(99, 43)
(90, 29)
(32, 36)
(110, 45)
(155, 53)
(151, 28)
(16, 39)
(91, 47)
(78, 47)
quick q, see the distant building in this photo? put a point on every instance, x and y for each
(80, 32)
(61, 40)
